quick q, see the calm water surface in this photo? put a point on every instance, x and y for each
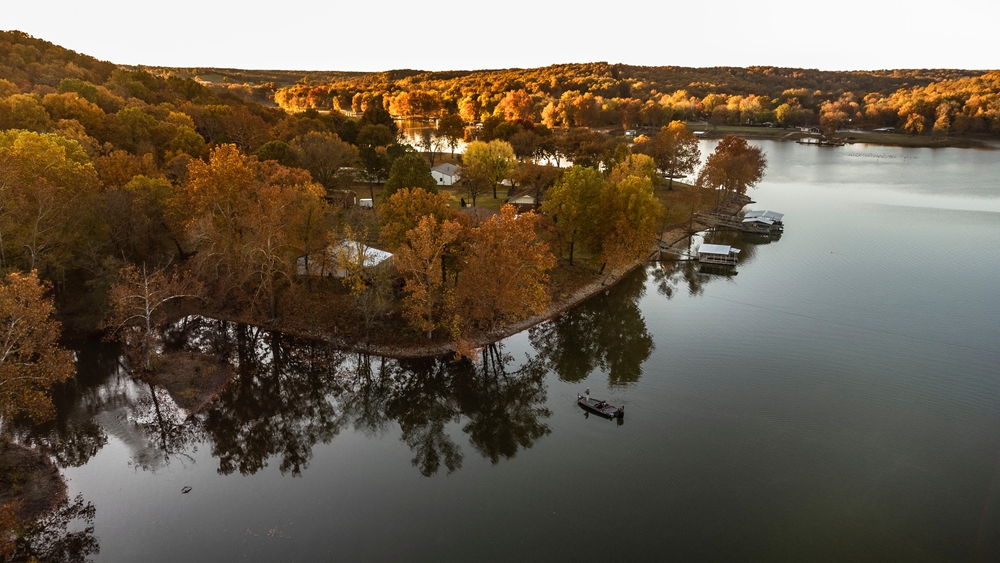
(838, 399)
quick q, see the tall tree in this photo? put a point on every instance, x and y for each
(452, 128)
(734, 166)
(409, 171)
(247, 220)
(493, 161)
(138, 301)
(420, 261)
(31, 359)
(675, 150)
(517, 104)
(504, 277)
(47, 192)
(630, 213)
(403, 211)
(574, 202)
(324, 155)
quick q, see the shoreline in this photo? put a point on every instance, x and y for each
(556, 308)
(601, 282)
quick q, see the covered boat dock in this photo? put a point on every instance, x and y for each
(718, 254)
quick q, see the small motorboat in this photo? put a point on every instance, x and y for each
(601, 408)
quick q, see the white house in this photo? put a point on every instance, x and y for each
(328, 263)
(446, 174)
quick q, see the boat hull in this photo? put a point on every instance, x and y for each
(601, 408)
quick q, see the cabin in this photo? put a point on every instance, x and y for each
(446, 174)
(718, 254)
(523, 204)
(328, 263)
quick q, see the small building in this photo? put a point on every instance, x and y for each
(811, 129)
(329, 263)
(718, 254)
(366, 203)
(446, 174)
(342, 198)
(524, 203)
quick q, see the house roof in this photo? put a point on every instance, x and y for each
(447, 169)
(772, 215)
(373, 256)
(720, 249)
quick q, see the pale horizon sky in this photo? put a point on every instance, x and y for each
(447, 36)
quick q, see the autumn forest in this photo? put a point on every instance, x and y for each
(136, 194)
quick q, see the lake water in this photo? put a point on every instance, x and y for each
(837, 400)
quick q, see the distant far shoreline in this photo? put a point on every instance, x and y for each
(848, 137)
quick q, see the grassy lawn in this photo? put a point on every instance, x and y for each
(485, 200)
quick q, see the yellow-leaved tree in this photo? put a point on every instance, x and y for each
(421, 263)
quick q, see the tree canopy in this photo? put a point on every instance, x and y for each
(31, 359)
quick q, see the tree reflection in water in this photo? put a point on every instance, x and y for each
(64, 535)
(290, 394)
(607, 331)
(282, 402)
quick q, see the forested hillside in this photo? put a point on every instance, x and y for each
(599, 94)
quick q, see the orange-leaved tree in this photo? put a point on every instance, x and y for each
(248, 221)
(734, 167)
(504, 277)
(675, 150)
(31, 359)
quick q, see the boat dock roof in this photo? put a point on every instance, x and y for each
(719, 249)
(772, 215)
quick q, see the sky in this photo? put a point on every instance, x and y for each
(394, 34)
